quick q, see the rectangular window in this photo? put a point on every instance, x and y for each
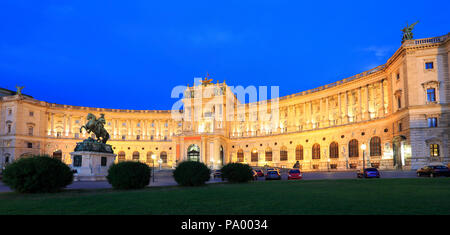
(138, 137)
(399, 102)
(9, 111)
(77, 160)
(400, 127)
(31, 114)
(333, 166)
(429, 65)
(30, 131)
(431, 95)
(58, 134)
(398, 76)
(77, 135)
(123, 137)
(434, 150)
(432, 122)
(9, 128)
(30, 145)
(103, 161)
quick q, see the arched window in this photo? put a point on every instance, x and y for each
(254, 157)
(334, 150)
(121, 156)
(316, 151)
(268, 155)
(240, 155)
(149, 157)
(299, 153)
(135, 156)
(283, 154)
(163, 157)
(353, 148)
(375, 146)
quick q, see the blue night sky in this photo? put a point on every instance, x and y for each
(130, 54)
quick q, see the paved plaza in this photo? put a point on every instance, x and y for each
(164, 178)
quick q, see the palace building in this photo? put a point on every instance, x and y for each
(400, 111)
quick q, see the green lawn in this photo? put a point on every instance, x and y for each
(353, 196)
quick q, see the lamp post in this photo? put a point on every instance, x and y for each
(363, 147)
(212, 164)
(153, 170)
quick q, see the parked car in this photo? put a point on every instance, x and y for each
(217, 173)
(273, 175)
(368, 173)
(259, 172)
(294, 174)
(433, 171)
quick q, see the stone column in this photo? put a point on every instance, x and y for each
(383, 109)
(70, 125)
(327, 112)
(359, 104)
(339, 121)
(366, 111)
(346, 107)
(52, 124)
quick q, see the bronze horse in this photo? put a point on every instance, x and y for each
(97, 127)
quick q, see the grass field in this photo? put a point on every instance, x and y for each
(352, 196)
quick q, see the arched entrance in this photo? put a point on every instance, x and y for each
(397, 144)
(221, 156)
(57, 155)
(193, 153)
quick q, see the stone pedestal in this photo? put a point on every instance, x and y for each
(91, 160)
(91, 166)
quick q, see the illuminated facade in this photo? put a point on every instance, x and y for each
(399, 110)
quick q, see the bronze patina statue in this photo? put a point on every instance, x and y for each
(19, 90)
(407, 31)
(97, 126)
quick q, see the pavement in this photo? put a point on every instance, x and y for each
(164, 178)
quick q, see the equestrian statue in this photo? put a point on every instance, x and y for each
(96, 126)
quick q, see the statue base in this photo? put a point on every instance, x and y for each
(91, 166)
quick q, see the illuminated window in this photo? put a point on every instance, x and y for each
(316, 151)
(121, 156)
(163, 157)
(375, 146)
(334, 150)
(268, 155)
(434, 150)
(135, 156)
(283, 154)
(254, 157)
(240, 155)
(299, 153)
(353, 148)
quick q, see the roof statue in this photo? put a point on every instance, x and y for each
(407, 31)
(206, 81)
(19, 89)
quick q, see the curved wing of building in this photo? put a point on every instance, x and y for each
(399, 111)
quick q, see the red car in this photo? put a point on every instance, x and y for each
(294, 174)
(260, 173)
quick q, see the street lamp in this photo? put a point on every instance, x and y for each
(363, 147)
(153, 169)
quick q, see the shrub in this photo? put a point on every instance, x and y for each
(191, 173)
(237, 172)
(37, 174)
(129, 175)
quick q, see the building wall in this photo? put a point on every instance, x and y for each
(389, 102)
